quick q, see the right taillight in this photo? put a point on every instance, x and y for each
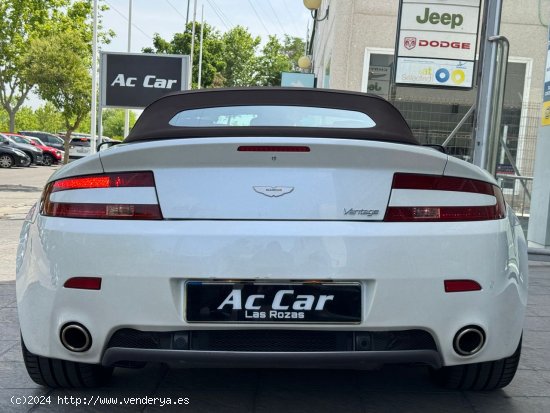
(425, 207)
(98, 197)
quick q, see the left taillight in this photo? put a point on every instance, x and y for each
(100, 197)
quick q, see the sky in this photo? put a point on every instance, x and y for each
(167, 17)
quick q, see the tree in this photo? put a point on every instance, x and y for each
(212, 54)
(59, 64)
(271, 63)
(293, 49)
(240, 57)
(113, 122)
(48, 118)
(21, 20)
(232, 59)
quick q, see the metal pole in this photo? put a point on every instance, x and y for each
(458, 126)
(200, 47)
(187, 15)
(94, 82)
(193, 39)
(486, 88)
(101, 80)
(126, 111)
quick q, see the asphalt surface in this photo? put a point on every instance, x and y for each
(391, 389)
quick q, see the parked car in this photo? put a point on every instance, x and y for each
(32, 152)
(50, 155)
(79, 148)
(47, 138)
(272, 227)
(80, 145)
(10, 156)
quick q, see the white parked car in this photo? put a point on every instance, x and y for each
(272, 227)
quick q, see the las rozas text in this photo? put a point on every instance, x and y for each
(273, 314)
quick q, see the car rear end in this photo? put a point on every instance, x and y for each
(383, 253)
(79, 148)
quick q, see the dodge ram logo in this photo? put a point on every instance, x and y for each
(410, 43)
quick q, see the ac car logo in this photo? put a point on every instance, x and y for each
(149, 81)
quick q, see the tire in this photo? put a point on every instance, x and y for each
(6, 161)
(490, 375)
(31, 158)
(47, 160)
(65, 374)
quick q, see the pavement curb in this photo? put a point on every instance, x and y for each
(539, 254)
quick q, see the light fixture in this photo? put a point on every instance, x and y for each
(313, 6)
(304, 62)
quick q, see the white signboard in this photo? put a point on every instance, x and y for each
(434, 72)
(436, 43)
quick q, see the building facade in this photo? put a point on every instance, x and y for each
(353, 49)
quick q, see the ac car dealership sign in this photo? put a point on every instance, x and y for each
(436, 43)
(135, 80)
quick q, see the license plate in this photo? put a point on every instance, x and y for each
(260, 302)
(82, 150)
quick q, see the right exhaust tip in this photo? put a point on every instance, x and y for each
(469, 340)
(75, 337)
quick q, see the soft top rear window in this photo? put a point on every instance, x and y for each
(272, 115)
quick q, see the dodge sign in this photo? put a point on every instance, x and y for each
(136, 80)
(436, 43)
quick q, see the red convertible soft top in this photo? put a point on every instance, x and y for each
(157, 120)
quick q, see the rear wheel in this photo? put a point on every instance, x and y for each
(47, 159)
(6, 161)
(31, 159)
(489, 375)
(60, 373)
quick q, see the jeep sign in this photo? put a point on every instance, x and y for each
(437, 39)
(136, 80)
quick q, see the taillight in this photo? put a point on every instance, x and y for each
(444, 212)
(73, 206)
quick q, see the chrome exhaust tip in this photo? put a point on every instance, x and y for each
(469, 340)
(75, 337)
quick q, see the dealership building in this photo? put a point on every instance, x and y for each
(353, 49)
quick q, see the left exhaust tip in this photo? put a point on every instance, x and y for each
(469, 340)
(75, 337)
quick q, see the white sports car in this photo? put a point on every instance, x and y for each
(271, 227)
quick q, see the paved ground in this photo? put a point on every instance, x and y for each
(20, 188)
(392, 389)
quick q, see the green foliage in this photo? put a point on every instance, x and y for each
(59, 64)
(232, 58)
(212, 54)
(21, 20)
(113, 123)
(240, 57)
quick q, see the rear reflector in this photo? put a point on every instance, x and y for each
(436, 213)
(456, 286)
(83, 283)
(273, 149)
(105, 210)
(102, 211)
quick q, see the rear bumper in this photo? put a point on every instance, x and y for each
(144, 267)
(234, 359)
